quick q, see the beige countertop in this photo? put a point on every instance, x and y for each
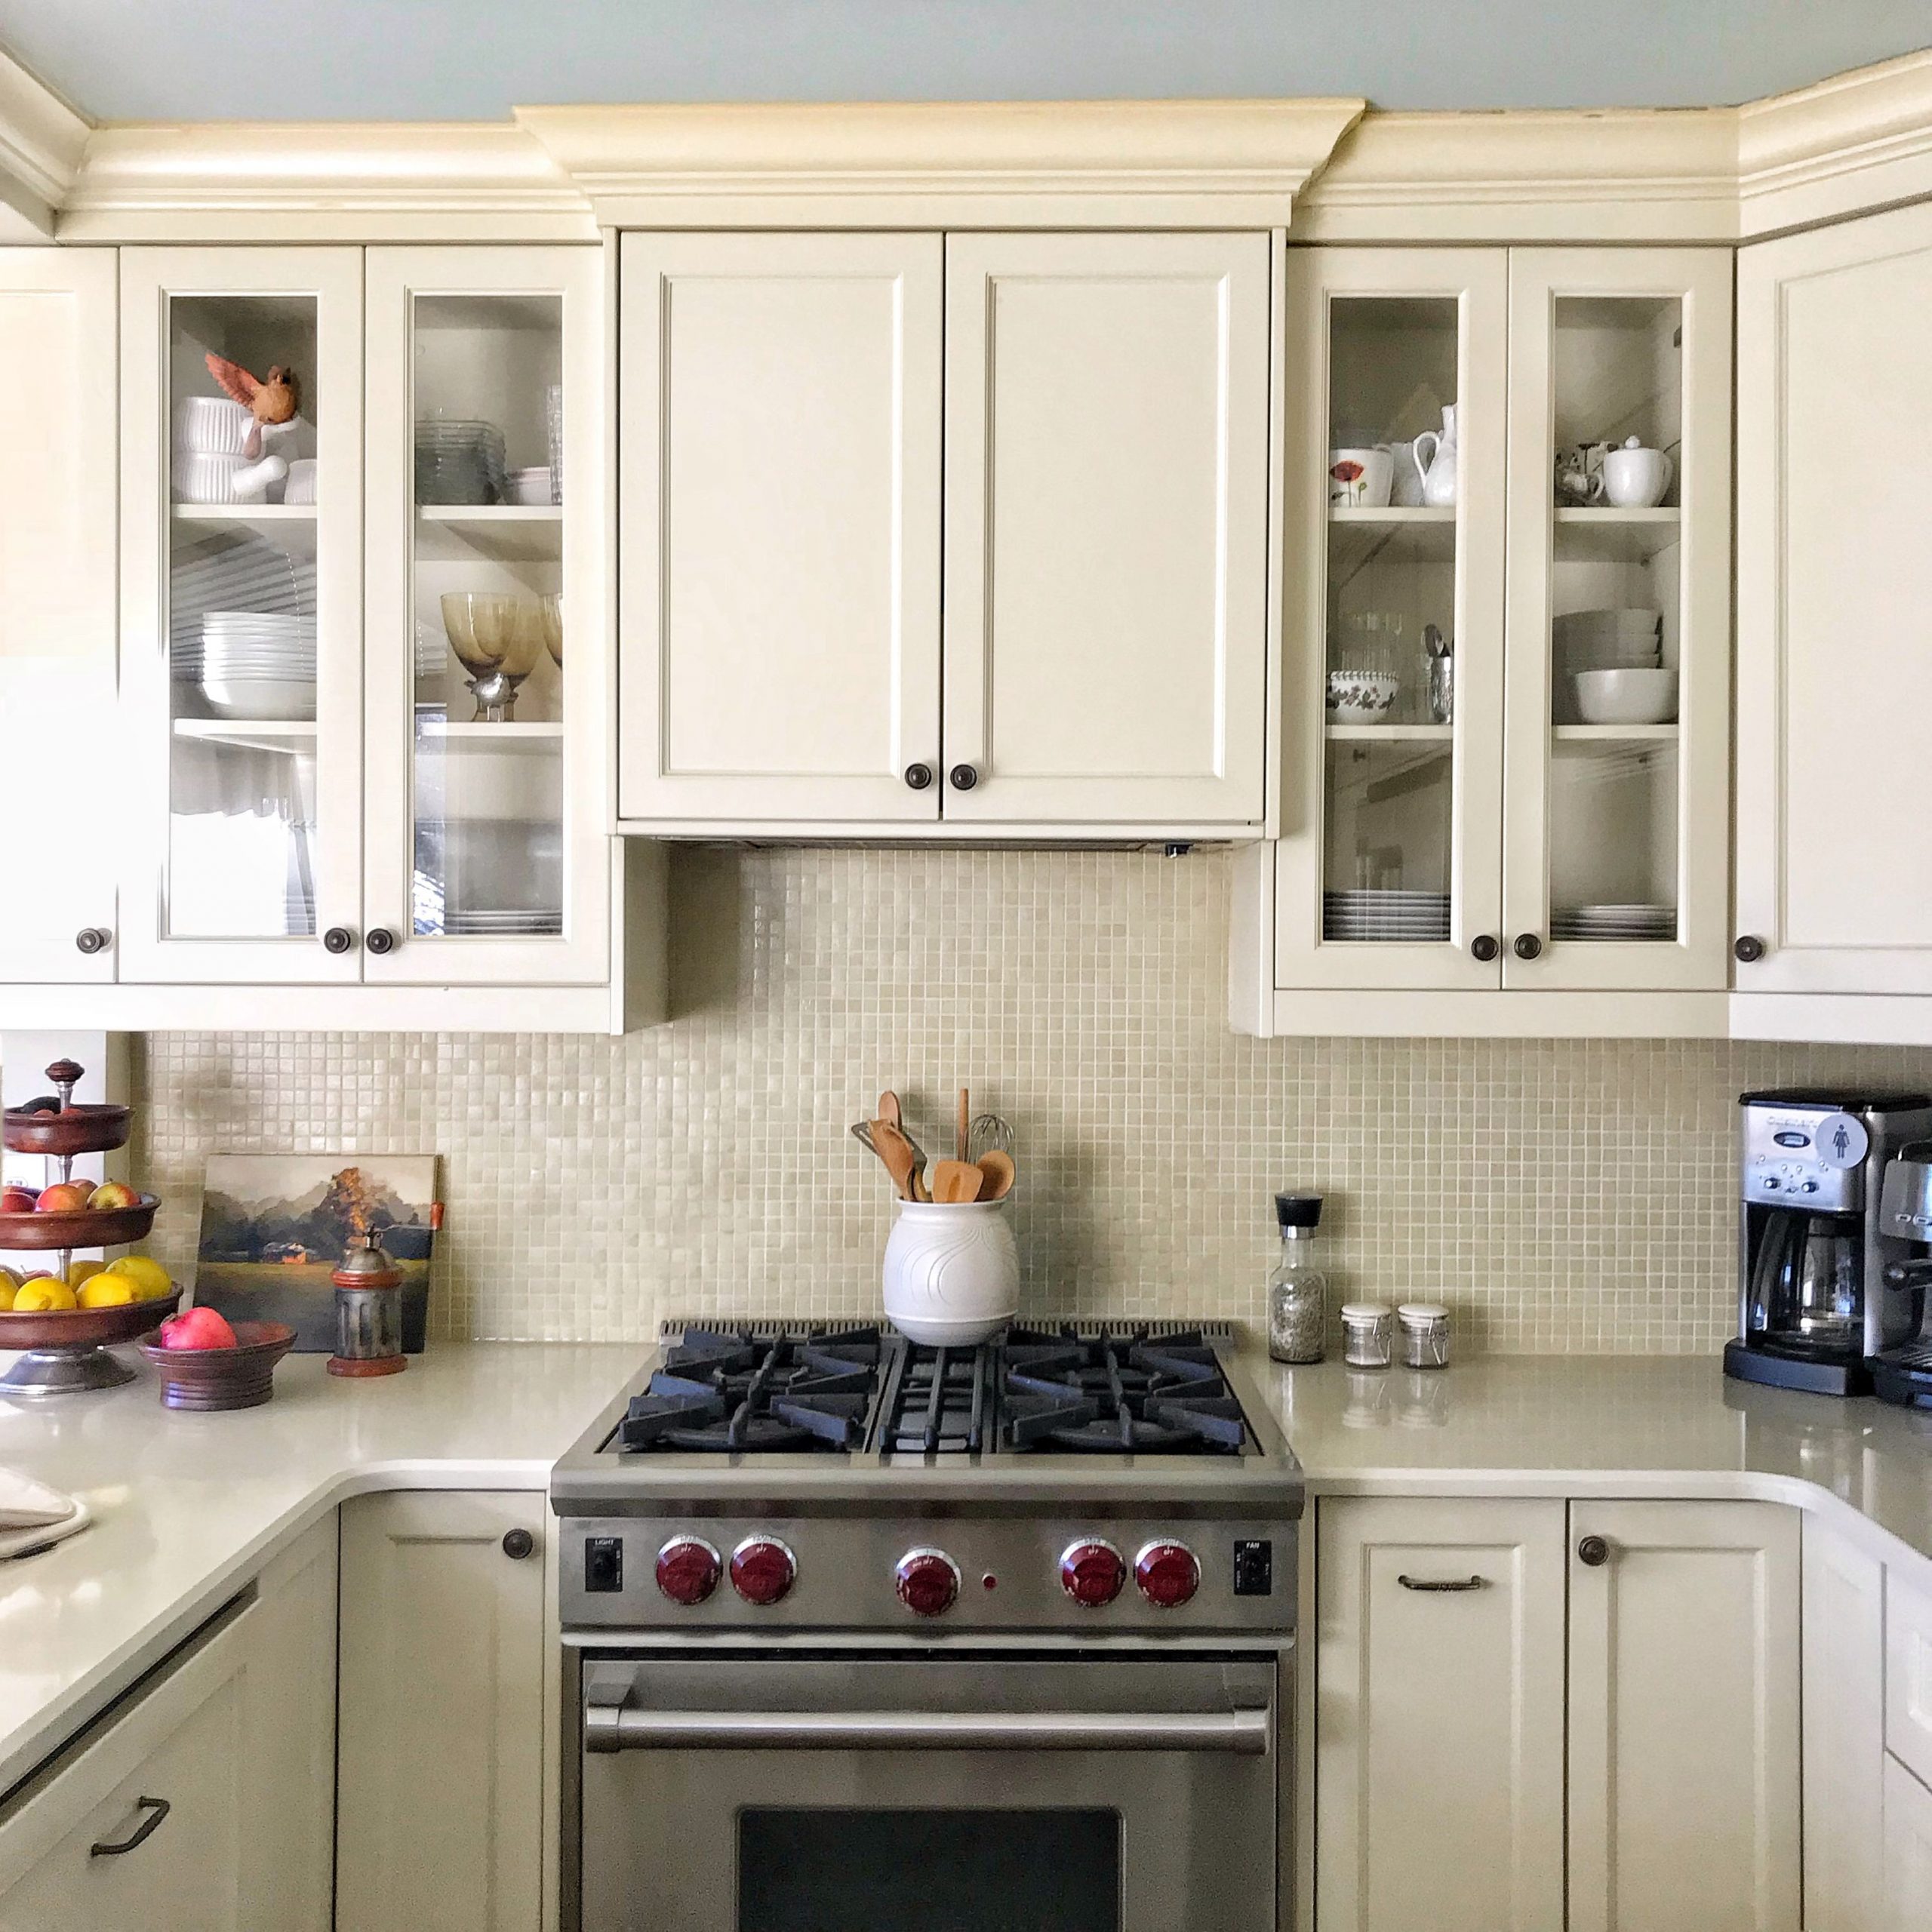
(1607, 1425)
(187, 1508)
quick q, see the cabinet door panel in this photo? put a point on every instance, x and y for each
(487, 854)
(1908, 1850)
(1615, 857)
(1683, 1719)
(1845, 1733)
(1835, 579)
(1439, 1727)
(241, 621)
(1106, 493)
(59, 427)
(441, 1728)
(780, 476)
(1908, 1675)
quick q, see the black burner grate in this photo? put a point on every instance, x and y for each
(737, 1392)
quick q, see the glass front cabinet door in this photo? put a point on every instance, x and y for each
(363, 624)
(487, 851)
(1508, 682)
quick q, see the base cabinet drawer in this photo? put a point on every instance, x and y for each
(140, 1829)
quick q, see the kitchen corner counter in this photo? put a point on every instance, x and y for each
(187, 1508)
(1607, 1425)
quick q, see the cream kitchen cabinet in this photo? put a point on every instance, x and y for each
(1684, 1777)
(1486, 1668)
(442, 1721)
(207, 1803)
(1102, 403)
(1908, 1879)
(1439, 1716)
(1485, 858)
(57, 327)
(1834, 676)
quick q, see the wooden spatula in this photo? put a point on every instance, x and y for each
(965, 1113)
(996, 1174)
(896, 1151)
(956, 1182)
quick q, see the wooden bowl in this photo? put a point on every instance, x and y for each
(91, 1127)
(84, 1327)
(80, 1227)
(238, 1378)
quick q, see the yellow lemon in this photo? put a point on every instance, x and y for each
(151, 1280)
(85, 1271)
(42, 1294)
(106, 1290)
(7, 1291)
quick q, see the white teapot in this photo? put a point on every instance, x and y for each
(1438, 471)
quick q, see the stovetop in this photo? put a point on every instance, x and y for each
(822, 1411)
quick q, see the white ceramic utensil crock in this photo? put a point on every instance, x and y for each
(952, 1271)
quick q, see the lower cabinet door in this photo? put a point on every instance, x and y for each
(1908, 1850)
(1439, 1757)
(440, 1765)
(138, 1829)
(1683, 1717)
(1845, 1733)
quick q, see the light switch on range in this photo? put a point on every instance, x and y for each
(604, 1565)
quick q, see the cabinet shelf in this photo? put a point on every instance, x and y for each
(538, 735)
(1390, 734)
(507, 533)
(1614, 535)
(267, 734)
(1614, 734)
(1357, 536)
(289, 527)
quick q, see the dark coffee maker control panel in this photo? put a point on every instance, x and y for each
(1812, 1158)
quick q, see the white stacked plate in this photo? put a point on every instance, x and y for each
(1601, 923)
(1388, 914)
(256, 664)
(502, 925)
(1601, 641)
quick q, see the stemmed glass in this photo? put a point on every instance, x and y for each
(497, 639)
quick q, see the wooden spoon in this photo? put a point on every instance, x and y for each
(890, 1111)
(965, 1112)
(956, 1182)
(896, 1151)
(996, 1174)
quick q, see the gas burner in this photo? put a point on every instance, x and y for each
(741, 1393)
(1118, 1395)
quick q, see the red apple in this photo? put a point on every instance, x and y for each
(17, 1199)
(63, 1197)
(197, 1328)
(114, 1194)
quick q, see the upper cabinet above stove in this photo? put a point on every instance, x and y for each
(1060, 442)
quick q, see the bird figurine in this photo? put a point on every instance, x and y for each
(270, 402)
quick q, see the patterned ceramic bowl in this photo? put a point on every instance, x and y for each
(1361, 697)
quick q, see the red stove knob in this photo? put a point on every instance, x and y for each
(1093, 1574)
(1168, 1574)
(688, 1569)
(927, 1581)
(763, 1569)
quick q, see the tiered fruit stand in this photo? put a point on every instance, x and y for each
(67, 1349)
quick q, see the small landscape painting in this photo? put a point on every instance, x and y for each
(274, 1227)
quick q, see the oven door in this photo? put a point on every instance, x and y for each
(960, 1793)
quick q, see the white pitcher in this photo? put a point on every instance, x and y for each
(1438, 470)
(951, 1271)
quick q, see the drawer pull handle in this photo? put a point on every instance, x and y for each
(1441, 1583)
(157, 1809)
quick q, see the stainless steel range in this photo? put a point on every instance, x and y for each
(865, 1634)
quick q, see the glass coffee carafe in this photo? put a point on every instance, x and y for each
(1807, 1293)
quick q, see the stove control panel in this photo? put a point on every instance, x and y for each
(995, 1573)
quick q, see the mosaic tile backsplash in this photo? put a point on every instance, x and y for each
(1560, 1196)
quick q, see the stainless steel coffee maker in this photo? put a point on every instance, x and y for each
(1901, 1372)
(1814, 1243)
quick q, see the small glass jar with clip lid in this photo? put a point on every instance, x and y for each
(1297, 1289)
(1425, 1327)
(1368, 1334)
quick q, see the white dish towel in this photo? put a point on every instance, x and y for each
(33, 1517)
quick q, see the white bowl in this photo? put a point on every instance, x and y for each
(291, 700)
(1361, 697)
(952, 1271)
(211, 425)
(531, 488)
(1626, 697)
(1604, 626)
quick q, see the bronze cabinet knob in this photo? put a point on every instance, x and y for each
(381, 939)
(1526, 946)
(919, 777)
(337, 939)
(1485, 946)
(1748, 949)
(518, 1544)
(91, 940)
(964, 777)
(1594, 1551)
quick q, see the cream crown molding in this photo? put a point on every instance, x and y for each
(42, 141)
(1026, 159)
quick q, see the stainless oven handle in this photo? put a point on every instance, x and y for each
(615, 1727)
